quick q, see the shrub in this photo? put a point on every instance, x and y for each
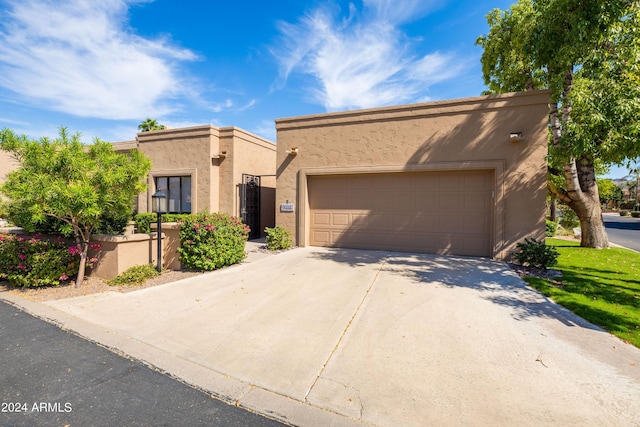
(635, 214)
(135, 275)
(33, 262)
(113, 223)
(628, 205)
(624, 213)
(278, 238)
(144, 220)
(537, 254)
(569, 219)
(211, 240)
(551, 228)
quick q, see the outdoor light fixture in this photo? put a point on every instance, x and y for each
(159, 206)
(515, 136)
(293, 151)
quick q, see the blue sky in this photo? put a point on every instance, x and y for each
(102, 67)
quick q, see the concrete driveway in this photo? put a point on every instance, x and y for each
(324, 337)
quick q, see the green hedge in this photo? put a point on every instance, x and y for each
(110, 223)
(144, 220)
(211, 240)
(551, 228)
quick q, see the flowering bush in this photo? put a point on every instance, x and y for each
(211, 240)
(32, 261)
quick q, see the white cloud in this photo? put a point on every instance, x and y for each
(226, 104)
(364, 59)
(399, 12)
(79, 57)
(266, 129)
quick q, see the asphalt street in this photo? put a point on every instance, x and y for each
(51, 377)
(623, 231)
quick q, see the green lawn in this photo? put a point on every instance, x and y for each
(600, 285)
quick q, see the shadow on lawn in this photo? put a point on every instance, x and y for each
(494, 280)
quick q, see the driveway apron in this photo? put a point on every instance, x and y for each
(386, 339)
(272, 323)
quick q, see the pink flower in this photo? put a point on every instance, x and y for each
(22, 266)
(22, 257)
(63, 277)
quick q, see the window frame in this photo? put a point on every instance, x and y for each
(154, 178)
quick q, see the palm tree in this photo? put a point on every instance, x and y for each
(149, 125)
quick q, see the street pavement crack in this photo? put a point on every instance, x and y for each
(344, 332)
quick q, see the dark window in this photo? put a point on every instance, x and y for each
(178, 191)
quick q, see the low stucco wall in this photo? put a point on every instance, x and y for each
(118, 253)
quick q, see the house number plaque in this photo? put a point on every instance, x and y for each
(286, 207)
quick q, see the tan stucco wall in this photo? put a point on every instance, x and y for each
(7, 164)
(216, 158)
(185, 151)
(251, 154)
(471, 133)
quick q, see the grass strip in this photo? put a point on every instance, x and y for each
(599, 285)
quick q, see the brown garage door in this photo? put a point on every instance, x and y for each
(432, 212)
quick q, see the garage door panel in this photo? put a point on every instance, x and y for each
(425, 222)
(471, 224)
(450, 201)
(477, 180)
(360, 200)
(476, 201)
(403, 200)
(340, 219)
(320, 218)
(322, 237)
(426, 200)
(425, 183)
(359, 182)
(434, 212)
(450, 182)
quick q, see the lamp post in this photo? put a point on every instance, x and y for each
(159, 205)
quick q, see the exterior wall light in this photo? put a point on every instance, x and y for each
(159, 206)
(515, 136)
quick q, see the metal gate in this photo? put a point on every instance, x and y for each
(250, 204)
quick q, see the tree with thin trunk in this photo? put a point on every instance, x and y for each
(71, 182)
(149, 125)
(586, 53)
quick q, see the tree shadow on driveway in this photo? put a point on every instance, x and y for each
(494, 280)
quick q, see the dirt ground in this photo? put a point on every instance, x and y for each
(91, 285)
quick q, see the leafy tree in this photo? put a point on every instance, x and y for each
(149, 124)
(586, 53)
(609, 191)
(71, 182)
